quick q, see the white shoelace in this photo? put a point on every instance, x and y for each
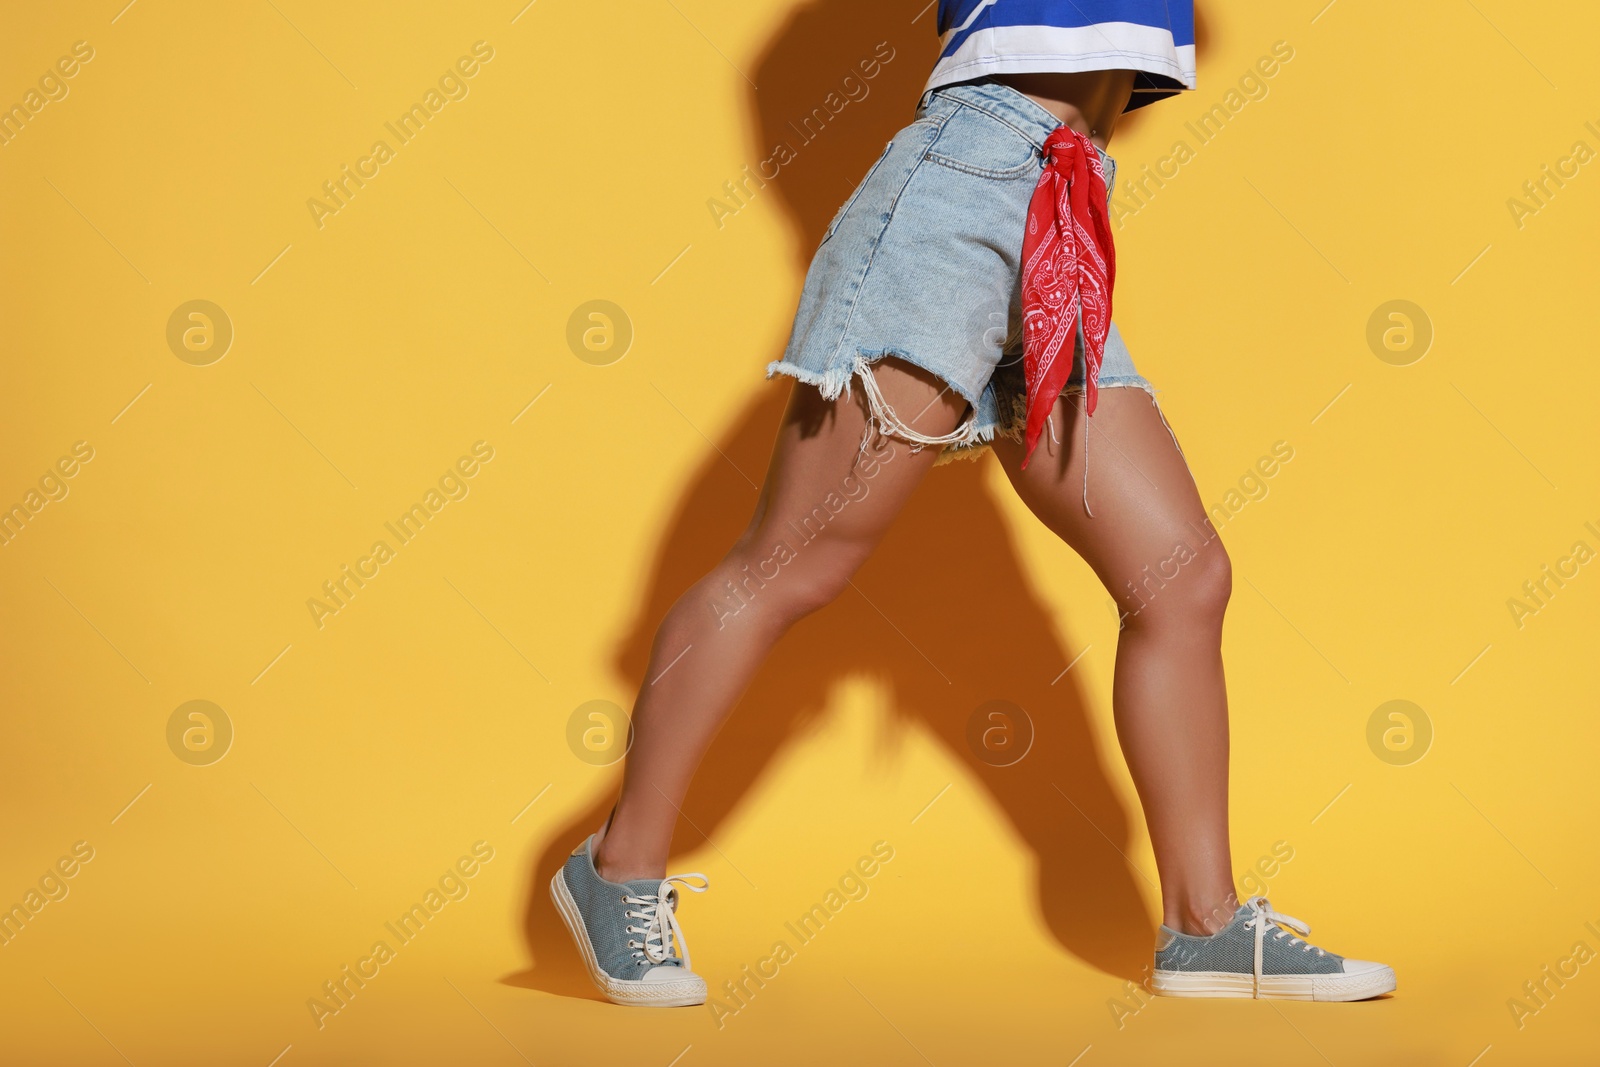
(1263, 918)
(659, 910)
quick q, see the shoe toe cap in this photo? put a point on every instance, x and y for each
(1366, 968)
(670, 974)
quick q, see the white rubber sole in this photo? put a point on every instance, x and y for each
(1371, 981)
(676, 993)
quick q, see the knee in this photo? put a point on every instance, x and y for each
(1213, 583)
(786, 583)
(1191, 593)
(816, 588)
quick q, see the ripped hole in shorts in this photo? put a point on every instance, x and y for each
(883, 418)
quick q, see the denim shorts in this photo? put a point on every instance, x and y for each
(923, 262)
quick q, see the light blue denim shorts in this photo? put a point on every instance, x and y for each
(923, 262)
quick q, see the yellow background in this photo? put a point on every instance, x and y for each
(369, 354)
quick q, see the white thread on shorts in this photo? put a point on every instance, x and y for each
(891, 423)
(1168, 425)
(1086, 456)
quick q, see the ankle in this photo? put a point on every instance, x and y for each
(1204, 916)
(615, 863)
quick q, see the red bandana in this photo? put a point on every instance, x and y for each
(1068, 263)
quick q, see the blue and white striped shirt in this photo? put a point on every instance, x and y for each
(1153, 37)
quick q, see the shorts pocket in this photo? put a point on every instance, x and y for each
(974, 142)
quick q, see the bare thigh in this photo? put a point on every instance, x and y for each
(1149, 538)
(833, 488)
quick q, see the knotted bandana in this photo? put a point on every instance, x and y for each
(1068, 266)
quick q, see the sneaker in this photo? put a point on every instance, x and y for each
(1254, 956)
(628, 933)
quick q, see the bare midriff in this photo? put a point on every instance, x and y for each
(1089, 102)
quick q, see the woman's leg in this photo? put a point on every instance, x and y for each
(826, 503)
(1152, 545)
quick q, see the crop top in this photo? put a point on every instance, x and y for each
(1155, 38)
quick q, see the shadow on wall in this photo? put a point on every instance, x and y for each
(947, 573)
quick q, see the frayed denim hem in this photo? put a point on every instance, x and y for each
(1013, 420)
(1011, 426)
(832, 383)
(882, 418)
(967, 441)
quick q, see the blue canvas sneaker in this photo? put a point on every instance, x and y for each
(628, 932)
(1255, 956)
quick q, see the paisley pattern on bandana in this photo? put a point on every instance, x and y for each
(1068, 267)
